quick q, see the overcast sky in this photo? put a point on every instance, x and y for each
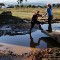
(38, 1)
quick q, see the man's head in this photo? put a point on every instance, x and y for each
(49, 5)
(37, 12)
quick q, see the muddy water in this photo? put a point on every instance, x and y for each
(37, 39)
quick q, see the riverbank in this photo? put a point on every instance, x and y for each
(15, 52)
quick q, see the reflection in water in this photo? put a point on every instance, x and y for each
(50, 42)
(43, 42)
(36, 39)
(32, 43)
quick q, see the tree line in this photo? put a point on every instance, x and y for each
(56, 5)
(29, 6)
(34, 6)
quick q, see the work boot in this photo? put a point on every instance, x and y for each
(40, 27)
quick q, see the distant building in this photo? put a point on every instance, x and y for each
(10, 6)
(2, 5)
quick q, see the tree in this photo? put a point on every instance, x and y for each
(58, 5)
(20, 1)
(54, 5)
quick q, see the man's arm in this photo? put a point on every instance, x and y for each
(45, 15)
(39, 15)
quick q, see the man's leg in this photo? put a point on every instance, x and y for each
(32, 25)
(39, 25)
(49, 26)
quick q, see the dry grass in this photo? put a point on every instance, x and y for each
(56, 13)
(1, 10)
(28, 12)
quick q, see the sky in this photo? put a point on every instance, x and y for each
(30, 1)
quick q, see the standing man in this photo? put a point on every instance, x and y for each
(35, 21)
(50, 16)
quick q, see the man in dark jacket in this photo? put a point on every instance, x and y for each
(35, 21)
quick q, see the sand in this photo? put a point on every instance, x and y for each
(16, 49)
(16, 52)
